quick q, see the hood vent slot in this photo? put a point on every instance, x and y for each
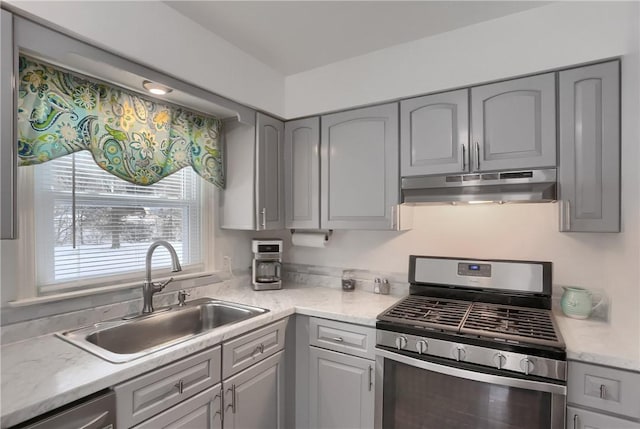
(524, 186)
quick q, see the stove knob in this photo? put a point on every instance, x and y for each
(422, 346)
(499, 360)
(527, 365)
(459, 353)
(401, 342)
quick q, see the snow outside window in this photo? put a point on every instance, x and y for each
(93, 228)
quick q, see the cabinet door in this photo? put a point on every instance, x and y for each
(269, 173)
(360, 180)
(8, 148)
(513, 124)
(254, 398)
(203, 411)
(341, 390)
(589, 173)
(434, 134)
(302, 173)
(578, 418)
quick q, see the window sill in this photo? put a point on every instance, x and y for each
(26, 302)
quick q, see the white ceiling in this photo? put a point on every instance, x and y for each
(294, 36)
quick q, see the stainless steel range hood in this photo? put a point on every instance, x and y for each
(518, 186)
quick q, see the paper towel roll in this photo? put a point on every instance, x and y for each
(309, 239)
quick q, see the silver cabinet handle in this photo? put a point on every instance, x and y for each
(219, 396)
(464, 157)
(393, 217)
(180, 386)
(477, 156)
(575, 421)
(603, 391)
(569, 214)
(338, 339)
(263, 218)
(258, 350)
(370, 378)
(232, 405)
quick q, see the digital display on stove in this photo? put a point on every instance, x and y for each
(474, 270)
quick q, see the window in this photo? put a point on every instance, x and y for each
(93, 229)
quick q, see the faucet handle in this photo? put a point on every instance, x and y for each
(182, 297)
(159, 286)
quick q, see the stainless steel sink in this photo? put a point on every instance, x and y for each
(126, 339)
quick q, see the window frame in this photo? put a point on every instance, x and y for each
(28, 289)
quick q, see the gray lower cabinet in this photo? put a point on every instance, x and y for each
(146, 396)
(203, 411)
(578, 418)
(359, 169)
(589, 172)
(341, 390)
(601, 397)
(434, 134)
(302, 173)
(253, 198)
(254, 398)
(513, 124)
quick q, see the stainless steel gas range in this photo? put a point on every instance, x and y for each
(473, 346)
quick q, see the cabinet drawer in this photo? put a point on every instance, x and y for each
(342, 337)
(201, 411)
(251, 348)
(583, 419)
(147, 395)
(607, 389)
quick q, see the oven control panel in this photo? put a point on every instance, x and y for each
(461, 352)
(474, 269)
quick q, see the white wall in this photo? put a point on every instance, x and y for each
(534, 40)
(539, 39)
(155, 35)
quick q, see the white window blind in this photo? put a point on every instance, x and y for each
(92, 226)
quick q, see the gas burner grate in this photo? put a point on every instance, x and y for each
(444, 314)
(511, 323)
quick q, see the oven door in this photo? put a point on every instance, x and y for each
(415, 393)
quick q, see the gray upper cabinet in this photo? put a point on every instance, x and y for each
(269, 173)
(513, 124)
(360, 168)
(253, 198)
(589, 173)
(8, 144)
(434, 132)
(302, 173)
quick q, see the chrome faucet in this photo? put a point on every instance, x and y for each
(149, 288)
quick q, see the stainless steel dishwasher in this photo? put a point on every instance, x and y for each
(94, 412)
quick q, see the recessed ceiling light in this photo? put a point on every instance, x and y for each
(156, 88)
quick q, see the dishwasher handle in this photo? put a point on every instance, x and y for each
(97, 423)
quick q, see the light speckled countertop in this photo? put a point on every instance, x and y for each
(42, 373)
(45, 372)
(596, 342)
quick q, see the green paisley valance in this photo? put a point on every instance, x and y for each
(138, 140)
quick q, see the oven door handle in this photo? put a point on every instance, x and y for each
(539, 386)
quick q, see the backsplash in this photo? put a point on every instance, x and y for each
(316, 275)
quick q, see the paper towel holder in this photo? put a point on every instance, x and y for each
(327, 232)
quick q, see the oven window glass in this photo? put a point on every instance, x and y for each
(421, 399)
